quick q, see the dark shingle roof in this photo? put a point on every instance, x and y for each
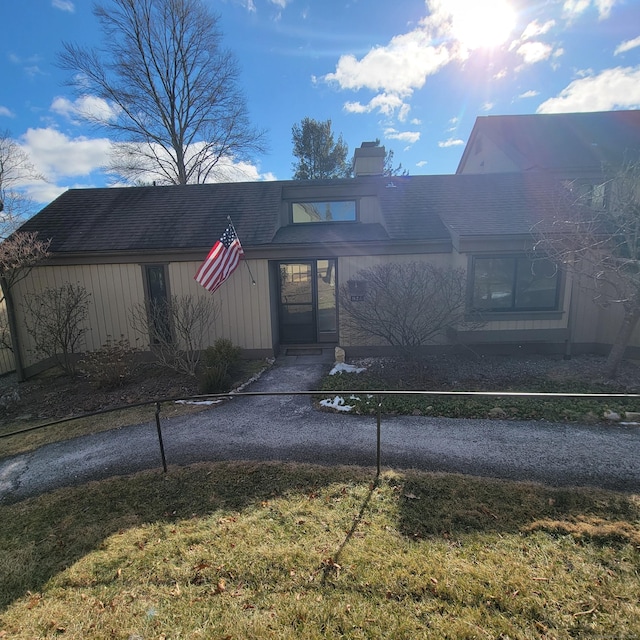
(156, 218)
(562, 141)
(501, 204)
(413, 209)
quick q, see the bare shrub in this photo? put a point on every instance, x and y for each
(176, 329)
(55, 319)
(406, 305)
(112, 365)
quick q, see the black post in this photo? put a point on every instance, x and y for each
(378, 438)
(164, 460)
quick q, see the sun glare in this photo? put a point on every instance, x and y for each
(481, 23)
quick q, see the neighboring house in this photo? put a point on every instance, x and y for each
(565, 145)
(302, 242)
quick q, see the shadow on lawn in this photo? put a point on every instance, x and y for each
(48, 533)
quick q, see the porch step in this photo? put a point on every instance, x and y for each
(303, 351)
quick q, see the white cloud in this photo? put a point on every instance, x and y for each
(30, 65)
(529, 94)
(627, 46)
(604, 7)
(487, 106)
(422, 163)
(85, 107)
(451, 142)
(534, 29)
(44, 192)
(612, 89)
(404, 136)
(386, 104)
(533, 52)
(573, 8)
(500, 75)
(63, 5)
(399, 68)
(5, 111)
(57, 156)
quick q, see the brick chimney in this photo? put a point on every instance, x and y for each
(368, 160)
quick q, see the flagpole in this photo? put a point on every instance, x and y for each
(253, 282)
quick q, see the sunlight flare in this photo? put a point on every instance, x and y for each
(481, 24)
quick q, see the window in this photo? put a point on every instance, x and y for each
(158, 297)
(513, 283)
(589, 194)
(324, 211)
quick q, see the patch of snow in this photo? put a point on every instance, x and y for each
(337, 403)
(343, 367)
(198, 401)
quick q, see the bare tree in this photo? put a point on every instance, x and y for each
(405, 305)
(18, 255)
(15, 169)
(596, 237)
(172, 90)
(176, 329)
(55, 319)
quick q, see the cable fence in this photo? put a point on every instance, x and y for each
(377, 395)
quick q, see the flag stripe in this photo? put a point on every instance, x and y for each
(222, 260)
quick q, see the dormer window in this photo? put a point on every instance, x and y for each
(324, 211)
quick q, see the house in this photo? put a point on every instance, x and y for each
(569, 146)
(304, 240)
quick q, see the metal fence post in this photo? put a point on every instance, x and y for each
(164, 460)
(379, 399)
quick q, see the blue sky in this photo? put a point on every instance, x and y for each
(413, 73)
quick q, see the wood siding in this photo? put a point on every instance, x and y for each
(7, 363)
(244, 308)
(244, 311)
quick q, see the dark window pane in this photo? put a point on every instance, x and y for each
(536, 285)
(158, 301)
(514, 284)
(493, 283)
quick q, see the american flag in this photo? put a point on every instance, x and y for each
(221, 261)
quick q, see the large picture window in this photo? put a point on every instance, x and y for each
(325, 211)
(512, 283)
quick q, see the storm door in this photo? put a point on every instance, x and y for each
(307, 297)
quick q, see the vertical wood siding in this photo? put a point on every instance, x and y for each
(7, 363)
(114, 289)
(244, 311)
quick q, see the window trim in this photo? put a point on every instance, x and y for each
(356, 203)
(512, 312)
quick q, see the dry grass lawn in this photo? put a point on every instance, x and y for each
(245, 550)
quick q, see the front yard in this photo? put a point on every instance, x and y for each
(545, 374)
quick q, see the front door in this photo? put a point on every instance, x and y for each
(307, 296)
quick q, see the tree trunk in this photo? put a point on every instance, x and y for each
(621, 342)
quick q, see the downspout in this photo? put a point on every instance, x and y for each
(13, 330)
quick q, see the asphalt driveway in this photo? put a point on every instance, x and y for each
(288, 428)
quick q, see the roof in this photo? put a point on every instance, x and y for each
(560, 141)
(413, 209)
